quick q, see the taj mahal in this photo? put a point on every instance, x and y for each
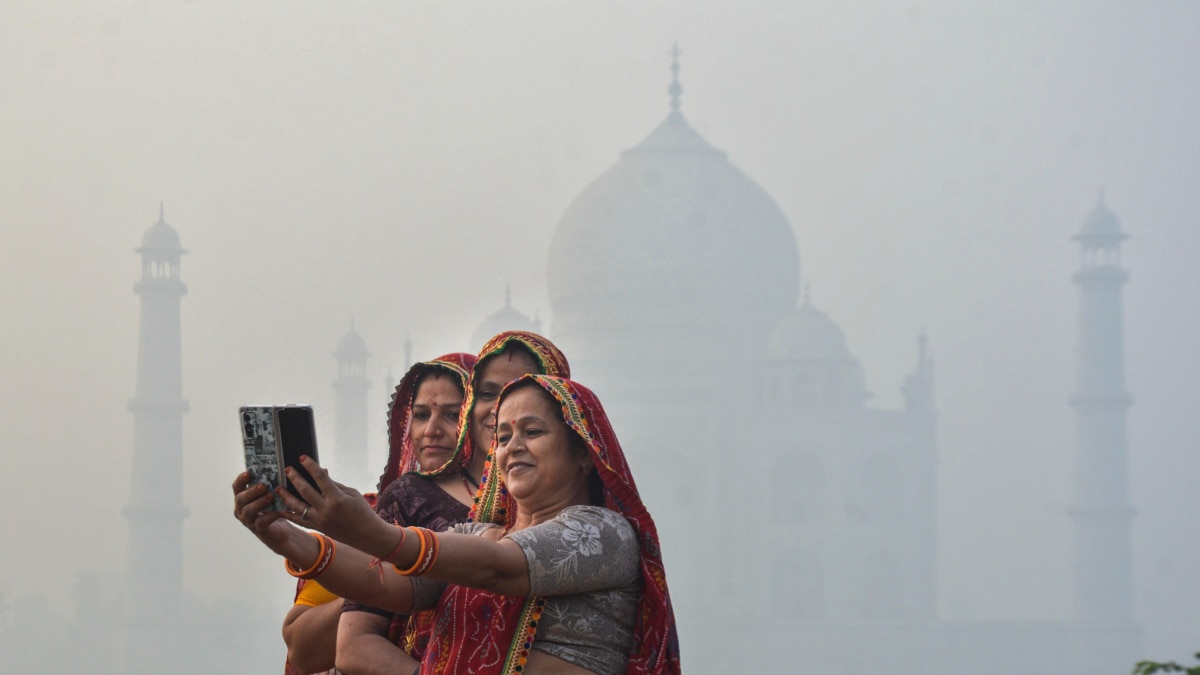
(675, 291)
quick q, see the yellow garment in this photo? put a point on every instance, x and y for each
(314, 594)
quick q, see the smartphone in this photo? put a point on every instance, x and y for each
(274, 438)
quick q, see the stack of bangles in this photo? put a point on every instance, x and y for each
(427, 554)
(325, 556)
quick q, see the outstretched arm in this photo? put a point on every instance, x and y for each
(488, 562)
(349, 573)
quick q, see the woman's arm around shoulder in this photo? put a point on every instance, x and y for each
(478, 556)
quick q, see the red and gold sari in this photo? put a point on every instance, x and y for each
(483, 633)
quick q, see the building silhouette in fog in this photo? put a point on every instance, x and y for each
(1101, 562)
(799, 522)
(350, 416)
(503, 319)
(155, 511)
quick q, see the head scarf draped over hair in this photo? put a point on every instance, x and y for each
(550, 361)
(401, 458)
(510, 623)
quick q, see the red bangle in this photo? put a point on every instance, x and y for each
(433, 557)
(420, 532)
(376, 562)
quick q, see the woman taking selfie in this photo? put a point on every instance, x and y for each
(374, 641)
(567, 577)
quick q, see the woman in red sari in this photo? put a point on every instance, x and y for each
(423, 426)
(372, 640)
(565, 576)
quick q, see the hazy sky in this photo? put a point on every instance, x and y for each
(397, 163)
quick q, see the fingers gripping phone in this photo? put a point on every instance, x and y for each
(274, 438)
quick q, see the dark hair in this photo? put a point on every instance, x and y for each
(595, 488)
(437, 370)
(511, 347)
(579, 448)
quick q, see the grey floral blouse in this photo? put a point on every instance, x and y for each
(587, 564)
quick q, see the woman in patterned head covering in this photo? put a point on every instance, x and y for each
(513, 498)
(422, 431)
(567, 576)
(503, 359)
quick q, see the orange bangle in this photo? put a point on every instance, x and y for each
(420, 554)
(321, 557)
(429, 554)
(403, 536)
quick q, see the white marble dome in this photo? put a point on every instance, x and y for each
(674, 214)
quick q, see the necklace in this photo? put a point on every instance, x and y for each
(468, 482)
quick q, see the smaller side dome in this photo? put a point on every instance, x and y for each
(807, 333)
(504, 319)
(807, 363)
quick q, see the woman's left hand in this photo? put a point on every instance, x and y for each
(337, 510)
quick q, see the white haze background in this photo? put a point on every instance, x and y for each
(397, 163)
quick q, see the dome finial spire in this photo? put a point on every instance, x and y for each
(508, 294)
(160, 212)
(675, 89)
(1100, 197)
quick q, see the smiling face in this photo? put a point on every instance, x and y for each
(497, 371)
(434, 427)
(541, 460)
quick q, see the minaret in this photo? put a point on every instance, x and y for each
(675, 89)
(351, 385)
(918, 386)
(1100, 511)
(155, 509)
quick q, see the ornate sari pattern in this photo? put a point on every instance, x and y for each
(491, 497)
